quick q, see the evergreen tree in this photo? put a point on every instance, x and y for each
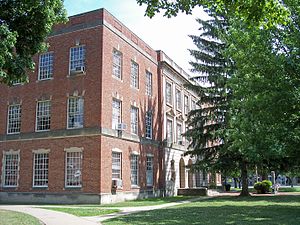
(208, 123)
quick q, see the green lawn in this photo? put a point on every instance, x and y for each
(82, 211)
(17, 218)
(289, 189)
(267, 210)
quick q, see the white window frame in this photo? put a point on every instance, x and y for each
(186, 104)
(43, 116)
(43, 168)
(169, 94)
(78, 61)
(45, 66)
(134, 170)
(115, 117)
(149, 82)
(117, 64)
(179, 133)
(16, 169)
(14, 119)
(77, 155)
(149, 125)
(169, 133)
(117, 166)
(77, 113)
(134, 115)
(178, 98)
(134, 81)
(149, 170)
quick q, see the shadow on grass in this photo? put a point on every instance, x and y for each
(215, 215)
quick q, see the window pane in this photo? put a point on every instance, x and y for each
(116, 165)
(148, 83)
(178, 99)
(14, 119)
(117, 64)
(148, 124)
(11, 169)
(170, 131)
(40, 169)
(43, 116)
(73, 169)
(134, 74)
(134, 170)
(75, 112)
(77, 57)
(116, 113)
(134, 120)
(149, 172)
(46, 66)
(168, 93)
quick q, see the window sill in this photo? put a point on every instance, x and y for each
(40, 188)
(117, 78)
(39, 131)
(74, 128)
(72, 188)
(13, 133)
(135, 187)
(76, 75)
(10, 187)
(41, 80)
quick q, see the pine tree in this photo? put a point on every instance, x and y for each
(208, 123)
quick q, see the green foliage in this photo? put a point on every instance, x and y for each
(24, 26)
(254, 12)
(263, 187)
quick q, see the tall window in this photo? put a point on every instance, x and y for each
(14, 119)
(73, 169)
(179, 134)
(43, 115)
(149, 171)
(11, 169)
(116, 113)
(134, 74)
(75, 112)
(186, 104)
(148, 124)
(46, 66)
(116, 165)
(77, 58)
(148, 83)
(178, 99)
(193, 104)
(40, 169)
(134, 120)
(169, 131)
(117, 64)
(168, 93)
(134, 162)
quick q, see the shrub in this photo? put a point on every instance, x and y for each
(263, 187)
(227, 187)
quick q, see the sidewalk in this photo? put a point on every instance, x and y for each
(49, 217)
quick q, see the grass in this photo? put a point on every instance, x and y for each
(289, 189)
(82, 211)
(260, 210)
(16, 218)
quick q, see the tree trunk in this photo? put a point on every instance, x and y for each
(244, 176)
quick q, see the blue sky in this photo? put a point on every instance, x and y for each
(169, 35)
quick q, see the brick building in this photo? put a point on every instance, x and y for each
(88, 126)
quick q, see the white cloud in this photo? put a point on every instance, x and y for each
(161, 33)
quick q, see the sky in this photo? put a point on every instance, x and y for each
(161, 33)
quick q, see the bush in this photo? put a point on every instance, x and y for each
(227, 187)
(263, 187)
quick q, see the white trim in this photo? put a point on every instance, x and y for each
(116, 150)
(49, 78)
(74, 149)
(135, 153)
(7, 117)
(10, 152)
(150, 155)
(41, 150)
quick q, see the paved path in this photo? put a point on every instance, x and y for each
(49, 217)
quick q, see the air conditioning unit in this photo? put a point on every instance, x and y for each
(117, 183)
(78, 70)
(121, 126)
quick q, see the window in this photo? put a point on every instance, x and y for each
(40, 169)
(134, 74)
(134, 120)
(178, 99)
(186, 104)
(75, 112)
(193, 104)
(117, 64)
(14, 119)
(149, 171)
(169, 93)
(148, 124)
(11, 169)
(16, 81)
(169, 131)
(179, 134)
(43, 117)
(116, 165)
(148, 83)
(77, 58)
(116, 113)
(73, 169)
(46, 66)
(134, 169)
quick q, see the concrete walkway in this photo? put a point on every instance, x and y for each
(49, 217)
